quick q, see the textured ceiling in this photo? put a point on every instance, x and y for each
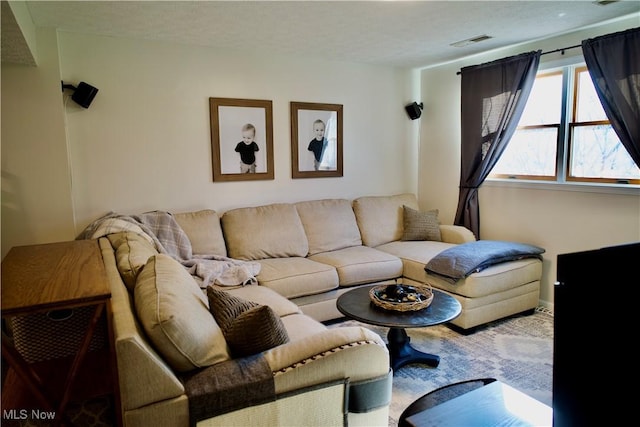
(397, 33)
(14, 46)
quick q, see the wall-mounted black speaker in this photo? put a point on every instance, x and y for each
(84, 94)
(414, 110)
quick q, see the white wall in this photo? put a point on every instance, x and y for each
(145, 142)
(36, 191)
(552, 217)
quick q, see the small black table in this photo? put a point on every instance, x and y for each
(357, 305)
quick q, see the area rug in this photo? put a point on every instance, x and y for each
(517, 351)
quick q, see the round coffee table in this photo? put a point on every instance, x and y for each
(357, 305)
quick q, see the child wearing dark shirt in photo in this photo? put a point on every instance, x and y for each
(318, 144)
(247, 149)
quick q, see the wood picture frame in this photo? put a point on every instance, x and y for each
(312, 157)
(241, 139)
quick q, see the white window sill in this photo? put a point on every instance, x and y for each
(626, 189)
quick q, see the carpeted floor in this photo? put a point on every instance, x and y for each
(517, 351)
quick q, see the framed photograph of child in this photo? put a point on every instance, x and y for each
(316, 140)
(241, 139)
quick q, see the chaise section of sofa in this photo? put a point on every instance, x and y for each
(495, 292)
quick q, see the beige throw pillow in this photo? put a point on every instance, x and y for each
(421, 225)
(132, 253)
(174, 313)
(249, 328)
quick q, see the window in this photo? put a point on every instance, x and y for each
(565, 136)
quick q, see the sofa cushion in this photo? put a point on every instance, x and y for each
(300, 327)
(271, 231)
(361, 264)
(380, 218)
(329, 224)
(249, 328)
(265, 296)
(204, 232)
(174, 312)
(297, 277)
(420, 225)
(414, 255)
(132, 252)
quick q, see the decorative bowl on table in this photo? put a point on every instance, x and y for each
(400, 297)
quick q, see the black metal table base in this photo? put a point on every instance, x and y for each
(402, 353)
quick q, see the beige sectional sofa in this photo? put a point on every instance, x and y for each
(309, 253)
(313, 251)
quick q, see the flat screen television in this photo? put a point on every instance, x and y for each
(595, 320)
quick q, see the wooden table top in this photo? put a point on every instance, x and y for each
(52, 276)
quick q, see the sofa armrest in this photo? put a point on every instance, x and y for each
(456, 234)
(144, 377)
(332, 354)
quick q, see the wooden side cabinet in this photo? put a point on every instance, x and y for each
(53, 357)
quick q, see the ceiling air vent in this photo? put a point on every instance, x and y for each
(472, 40)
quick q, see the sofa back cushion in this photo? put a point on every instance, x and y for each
(380, 218)
(174, 312)
(271, 231)
(132, 251)
(204, 232)
(329, 225)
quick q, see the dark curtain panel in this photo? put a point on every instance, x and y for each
(493, 98)
(613, 61)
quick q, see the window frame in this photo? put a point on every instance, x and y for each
(562, 174)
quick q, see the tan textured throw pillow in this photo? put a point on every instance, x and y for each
(225, 307)
(421, 225)
(256, 330)
(248, 328)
